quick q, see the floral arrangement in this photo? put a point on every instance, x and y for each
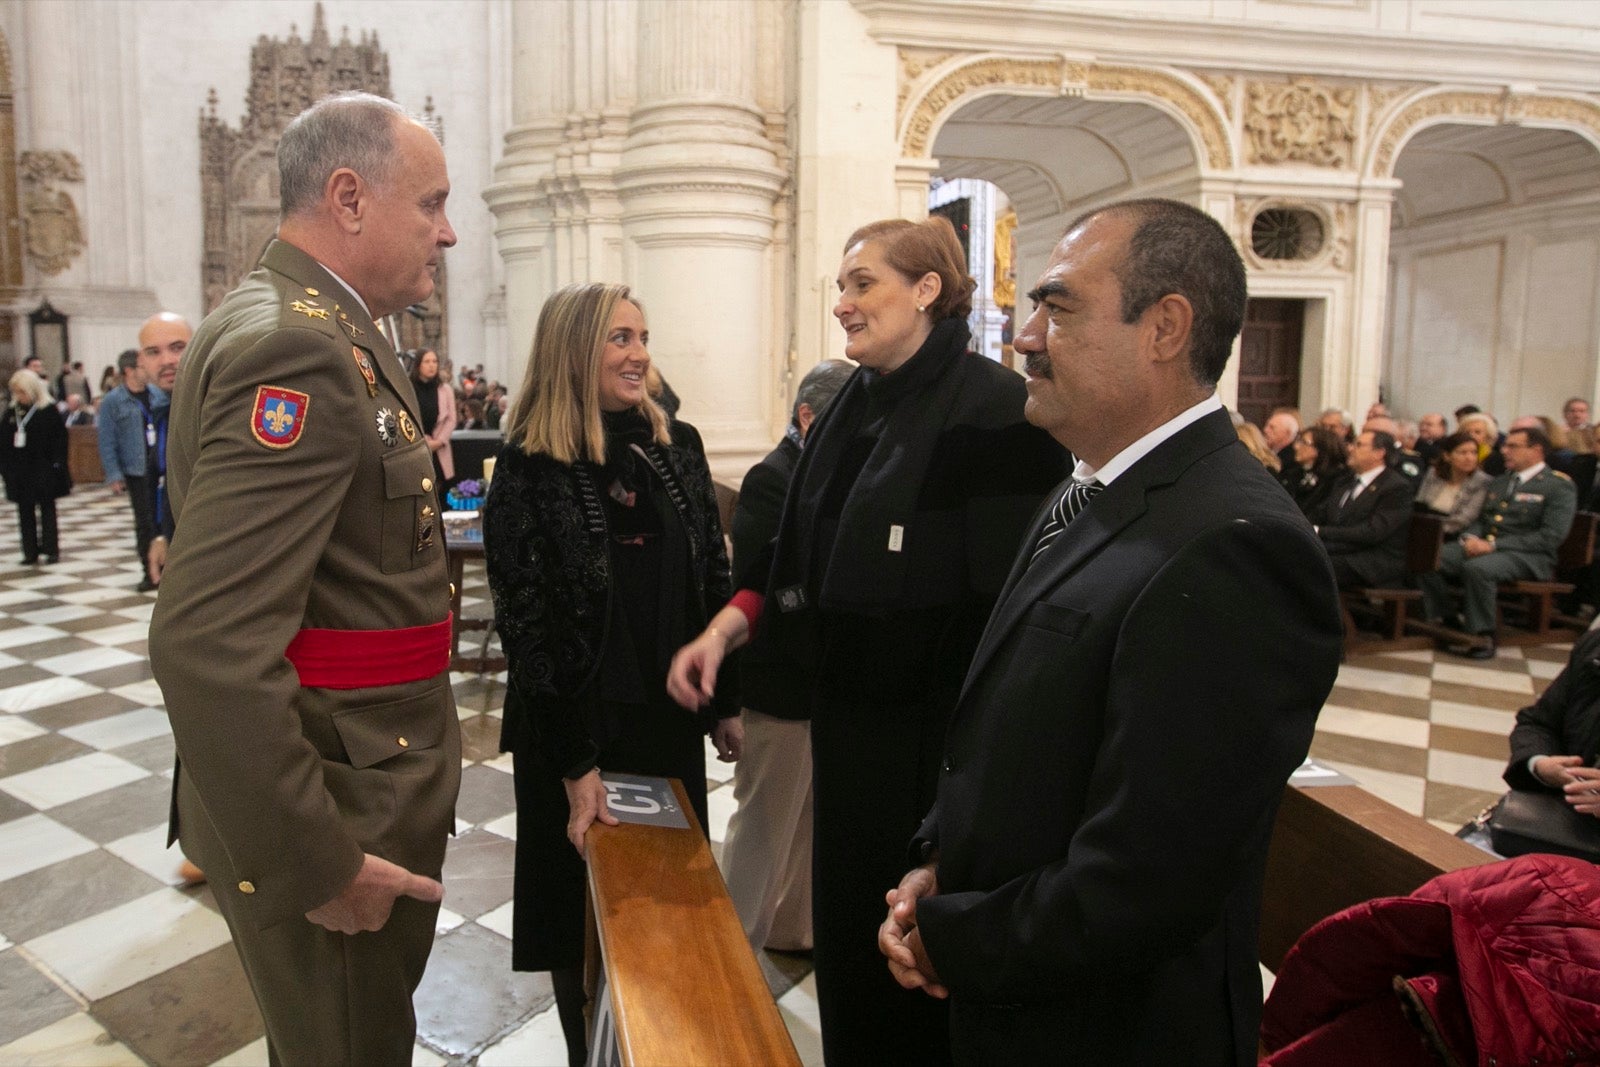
(467, 495)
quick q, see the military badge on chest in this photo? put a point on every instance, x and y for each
(364, 365)
(408, 429)
(388, 427)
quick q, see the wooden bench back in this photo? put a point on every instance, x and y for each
(1423, 542)
(1578, 548)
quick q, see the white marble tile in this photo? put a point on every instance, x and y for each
(80, 559)
(59, 613)
(1544, 668)
(252, 1055)
(1483, 678)
(124, 634)
(58, 783)
(139, 612)
(500, 763)
(98, 595)
(88, 660)
(16, 596)
(45, 693)
(1404, 791)
(147, 850)
(537, 1041)
(1373, 726)
(114, 731)
(1405, 685)
(447, 920)
(1471, 772)
(18, 636)
(16, 728)
(8, 660)
(505, 826)
(34, 842)
(113, 950)
(804, 1019)
(4, 944)
(1473, 717)
(720, 807)
(76, 1041)
(146, 692)
(498, 920)
(422, 1056)
(47, 580)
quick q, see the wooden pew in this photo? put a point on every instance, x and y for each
(1424, 540)
(1533, 602)
(83, 455)
(1338, 845)
(681, 983)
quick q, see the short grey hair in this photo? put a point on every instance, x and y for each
(820, 385)
(349, 129)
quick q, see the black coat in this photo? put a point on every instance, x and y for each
(1114, 764)
(38, 470)
(765, 685)
(1367, 536)
(1565, 721)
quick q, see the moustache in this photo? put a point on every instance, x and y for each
(1037, 364)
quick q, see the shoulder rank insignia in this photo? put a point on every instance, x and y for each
(344, 320)
(279, 416)
(310, 311)
(407, 427)
(364, 365)
(386, 427)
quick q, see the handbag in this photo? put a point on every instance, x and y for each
(1525, 821)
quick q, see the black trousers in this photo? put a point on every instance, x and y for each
(30, 523)
(142, 498)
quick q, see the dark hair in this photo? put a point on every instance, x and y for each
(1330, 450)
(820, 385)
(128, 359)
(1176, 248)
(416, 367)
(1465, 410)
(1384, 441)
(917, 248)
(1448, 444)
(1535, 436)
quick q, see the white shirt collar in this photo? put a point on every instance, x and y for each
(1525, 476)
(1371, 476)
(347, 287)
(1119, 463)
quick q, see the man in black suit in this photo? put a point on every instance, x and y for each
(1363, 523)
(1092, 867)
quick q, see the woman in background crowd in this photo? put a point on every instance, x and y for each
(436, 404)
(605, 553)
(1481, 427)
(1253, 440)
(1454, 486)
(1318, 463)
(108, 380)
(33, 459)
(906, 510)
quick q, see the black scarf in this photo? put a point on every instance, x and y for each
(856, 572)
(427, 404)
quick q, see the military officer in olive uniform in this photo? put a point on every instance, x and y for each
(1524, 520)
(302, 633)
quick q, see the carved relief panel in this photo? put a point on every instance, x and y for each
(54, 236)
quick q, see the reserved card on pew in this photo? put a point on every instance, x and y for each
(638, 799)
(1313, 773)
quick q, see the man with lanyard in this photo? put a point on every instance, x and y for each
(127, 425)
(162, 340)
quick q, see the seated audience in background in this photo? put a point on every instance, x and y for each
(1280, 430)
(1363, 523)
(1378, 410)
(1482, 428)
(1401, 459)
(1257, 444)
(1431, 429)
(1523, 522)
(1409, 430)
(78, 413)
(1339, 421)
(1555, 741)
(1318, 464)
(1580, 433)
(471, 415)
(436, 406)
(766, 857)
(1560, 456)
(1454, 486)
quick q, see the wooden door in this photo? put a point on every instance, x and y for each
(1269, 357)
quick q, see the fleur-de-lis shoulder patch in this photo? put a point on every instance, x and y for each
(279, 416)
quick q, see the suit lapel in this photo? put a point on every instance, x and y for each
(1123, 501)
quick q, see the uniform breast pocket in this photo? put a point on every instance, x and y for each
(411, 531)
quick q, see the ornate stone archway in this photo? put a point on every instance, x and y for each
(1408, 117)
(933, 85)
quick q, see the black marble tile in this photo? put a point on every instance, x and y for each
(123, 674)
(35, 752)
(153, 754)
(193, 1014)
(478, 869)
(470, 997)
(24, 673)
(81, 710)
(58, 895)
(113, 813)
(28, 1000)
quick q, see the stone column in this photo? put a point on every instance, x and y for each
(697, 181)
(1356, 373)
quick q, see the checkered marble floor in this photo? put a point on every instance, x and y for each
(106, 959)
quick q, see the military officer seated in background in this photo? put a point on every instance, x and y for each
(302, 634)
(1524, 520)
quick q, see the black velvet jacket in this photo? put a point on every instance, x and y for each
(546, 548)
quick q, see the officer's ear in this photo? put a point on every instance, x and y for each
(346, 195)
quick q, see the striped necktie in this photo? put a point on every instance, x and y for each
(1065, 510)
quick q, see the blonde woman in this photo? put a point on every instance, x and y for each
(605, 553)
(1256, 443)
(33, 459)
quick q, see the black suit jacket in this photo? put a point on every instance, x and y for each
(1368, 534)
(1114, 765)
(767, 683)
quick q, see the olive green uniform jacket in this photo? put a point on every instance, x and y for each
(316, 513)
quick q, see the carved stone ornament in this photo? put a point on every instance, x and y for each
(1065, 78)
(1300, 122)
(1484, 108)
(1222, 86)
(1005, 260)
(914, 63)
(49, 216)
(1379, 97)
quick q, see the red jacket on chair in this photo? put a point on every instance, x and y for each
(1494, 965)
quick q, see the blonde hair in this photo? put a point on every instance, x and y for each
(33, 383)
(558, 407)
(1256, 442)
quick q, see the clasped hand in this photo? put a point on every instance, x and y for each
(900, 940)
